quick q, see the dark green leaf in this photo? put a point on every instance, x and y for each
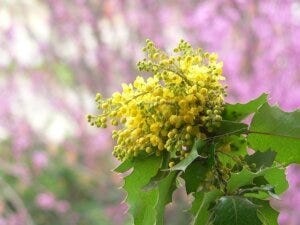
(211, 155)
(238, 112)
(166, 188)
(235, 210)
(142, 203)
(124, 166)
(182, 165)
(201, 205)
(231, 127)
(194, 175)
(261, 159)
(278, 130)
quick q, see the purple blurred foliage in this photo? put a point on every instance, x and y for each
(55, 55)
(48, 201)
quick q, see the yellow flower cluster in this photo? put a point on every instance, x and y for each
(182, 101)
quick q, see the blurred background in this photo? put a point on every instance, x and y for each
(56, 54)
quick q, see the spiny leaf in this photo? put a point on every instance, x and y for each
(261, 159)
(201, 205)
(273, 177)
(142, 203)
(124, 166)
(166, 188)
(256, 192)
(238, 112)
(235, 210)
(182, 165)
(244, 177)
(278, 130)
(194, 175)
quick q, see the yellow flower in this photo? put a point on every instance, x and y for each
(181, 101)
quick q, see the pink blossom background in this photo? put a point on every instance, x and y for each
(55, 55)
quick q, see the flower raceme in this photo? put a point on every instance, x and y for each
(183, 100)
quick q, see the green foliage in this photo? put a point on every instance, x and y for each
(235, 210)
(231, 127)
(277, 178)
(142, 203)
(265, 212)
(238, 112)
(261, 159)
(165, 192)
(182, 165)
(245, 177)
(194, 175)
(278, 130)
(201, 205)
(229, 186)
(124, 166)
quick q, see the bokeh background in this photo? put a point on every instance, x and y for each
(56, 54)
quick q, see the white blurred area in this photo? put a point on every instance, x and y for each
(27, 21)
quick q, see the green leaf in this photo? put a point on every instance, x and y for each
(231, 147)
(266, 213)
(244, 177)
(124, 166)
(194, 175)
(211, 155)
(238, 145)
(161, 174)
(261, 159)
(154, 181)
(201, 205)
(278, 130)
(142, 203)
(182, 165)
(271, 184)
(166, 188)
(277, 178)
(270, 176)
(261, 192)
(238, 112)
(235, 210)
(230, 127)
